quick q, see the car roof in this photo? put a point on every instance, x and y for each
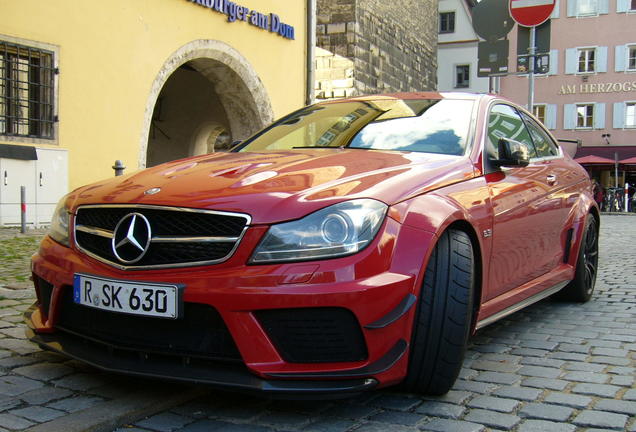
(414, 96)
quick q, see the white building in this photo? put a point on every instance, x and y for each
(457, 49)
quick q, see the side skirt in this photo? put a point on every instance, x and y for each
(522, 304)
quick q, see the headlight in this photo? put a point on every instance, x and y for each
(60, 223)
(338, 230)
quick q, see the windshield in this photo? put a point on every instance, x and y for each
(418, 125)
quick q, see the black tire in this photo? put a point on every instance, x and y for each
(581, 288)
(443, 316)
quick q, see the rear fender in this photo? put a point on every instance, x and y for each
(584, 208)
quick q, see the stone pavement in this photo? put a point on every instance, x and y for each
(551, 367)
(48, 392)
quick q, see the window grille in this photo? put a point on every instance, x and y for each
(27, 77)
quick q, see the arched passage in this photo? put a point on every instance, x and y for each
(205, 96)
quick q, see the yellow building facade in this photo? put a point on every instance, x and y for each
(144, 81)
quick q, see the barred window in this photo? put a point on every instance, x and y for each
(27, 77)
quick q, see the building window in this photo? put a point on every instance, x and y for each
(462, 76)
(586, 60)
(630, 114)
(631, 57)
(585, 116)
(623, 6)
(447, 22)
(586, 7)
(27, 77)
(539, 112)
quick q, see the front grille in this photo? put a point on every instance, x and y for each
(314, 335)
(179, 237)
(200, 333)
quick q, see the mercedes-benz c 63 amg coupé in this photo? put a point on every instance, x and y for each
(351, 245)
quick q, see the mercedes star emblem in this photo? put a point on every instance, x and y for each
(131, 238)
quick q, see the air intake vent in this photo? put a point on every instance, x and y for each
(315, 335)
(201, 333)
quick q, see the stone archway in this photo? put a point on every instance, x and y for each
(245, 104)
(211, 137)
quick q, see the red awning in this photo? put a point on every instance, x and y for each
(630, 161)
(594, 160)
(610, 152)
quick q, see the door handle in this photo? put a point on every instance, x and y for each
(552, 179)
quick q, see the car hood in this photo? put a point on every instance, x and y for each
(278, 186)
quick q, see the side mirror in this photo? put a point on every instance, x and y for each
(570, 146)
(512, 153)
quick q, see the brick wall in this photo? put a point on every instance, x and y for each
(392, 44)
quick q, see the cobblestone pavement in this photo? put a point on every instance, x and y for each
(15, 255)
(38, 387)
(551, 367)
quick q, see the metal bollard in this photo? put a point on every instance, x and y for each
(119, 167)
(22, 209)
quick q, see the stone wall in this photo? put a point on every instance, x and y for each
(334, 75)
(392, 44)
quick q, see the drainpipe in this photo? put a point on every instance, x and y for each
(311, 51)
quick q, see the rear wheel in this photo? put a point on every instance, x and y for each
(580, 289)
(443, 316)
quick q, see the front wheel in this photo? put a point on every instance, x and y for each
(580, 289)
(443, 316)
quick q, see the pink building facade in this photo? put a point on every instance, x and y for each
(589, 92)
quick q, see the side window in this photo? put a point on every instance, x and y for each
(544, 146)
(505, 122)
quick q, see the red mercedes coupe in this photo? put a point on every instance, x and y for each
(351, 245)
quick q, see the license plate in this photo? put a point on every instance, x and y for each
(135, 298)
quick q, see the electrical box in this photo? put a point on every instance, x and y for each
(45, 178)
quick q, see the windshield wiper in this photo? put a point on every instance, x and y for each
(334, 147)
(318, 147)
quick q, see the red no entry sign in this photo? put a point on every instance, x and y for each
(530, 13)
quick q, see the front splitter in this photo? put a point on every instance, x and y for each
(226, 376)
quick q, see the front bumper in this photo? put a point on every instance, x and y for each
(224, 376)
(377, 286)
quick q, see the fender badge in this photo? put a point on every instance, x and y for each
(152, 191)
